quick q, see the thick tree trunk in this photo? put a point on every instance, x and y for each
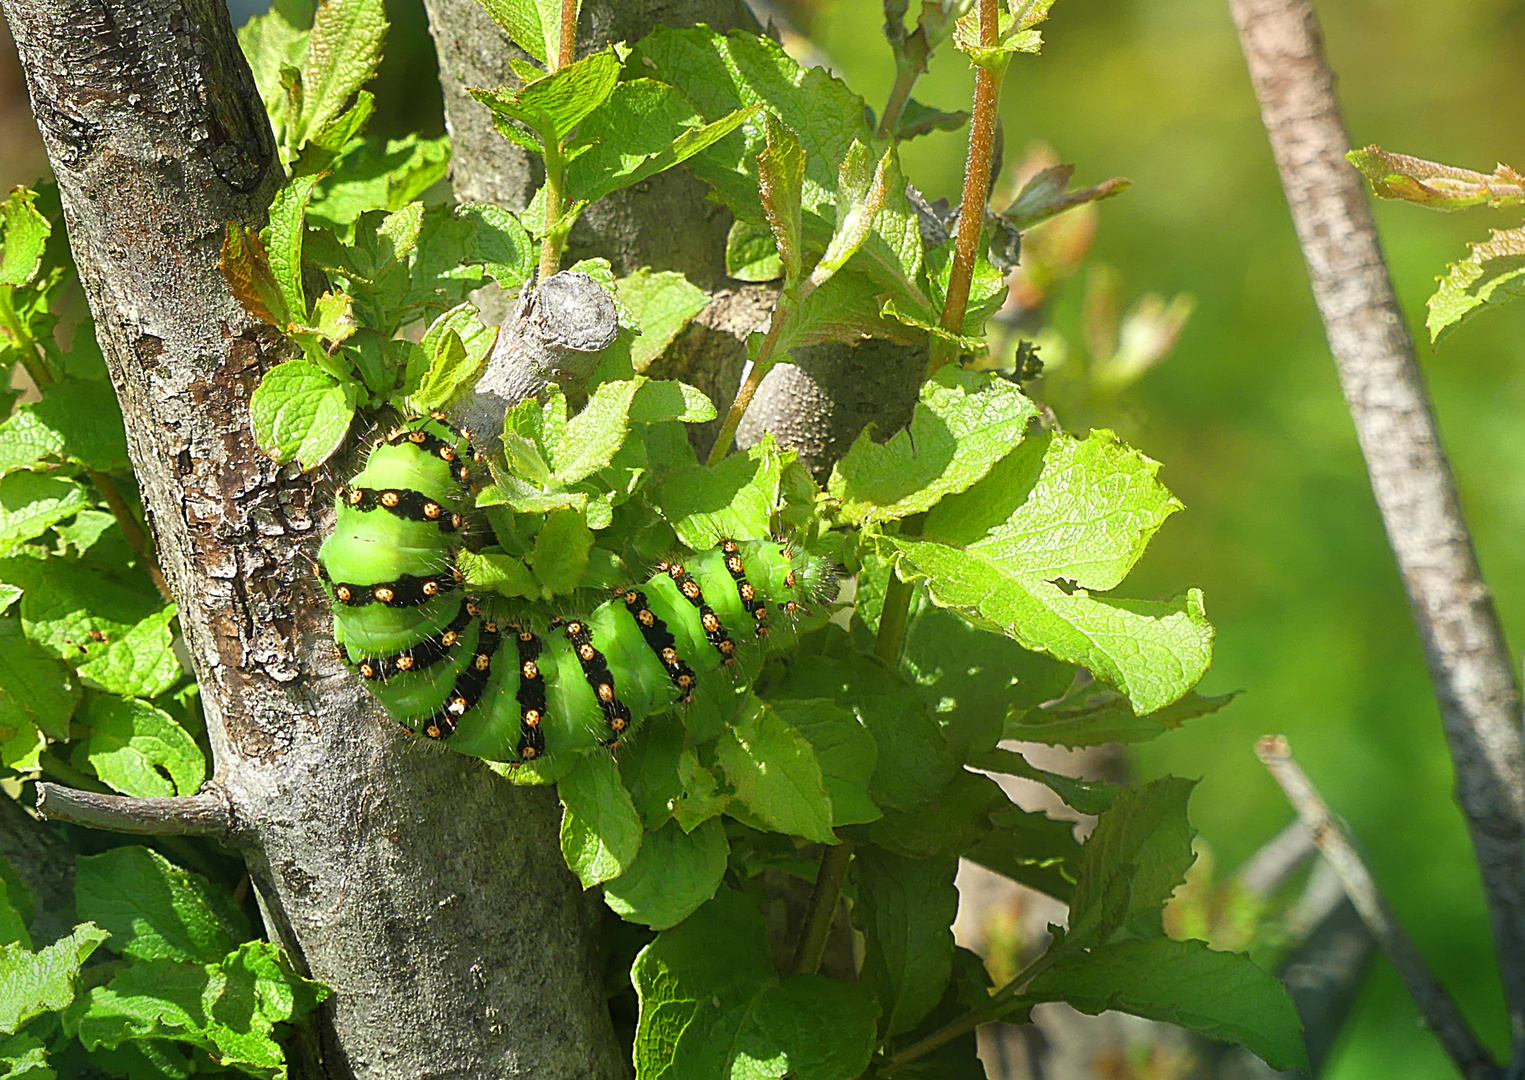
(426, 891)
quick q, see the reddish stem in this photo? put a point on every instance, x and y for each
(971, 215)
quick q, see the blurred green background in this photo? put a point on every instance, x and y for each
(1280, 528)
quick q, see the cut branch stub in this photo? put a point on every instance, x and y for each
(555, 334)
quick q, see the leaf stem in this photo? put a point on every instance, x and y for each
(761, 365)
(971, 213)
(823, 908)
(37, 370)
(974, 1018)
(906, 74)
(555, 162)
(896, 610)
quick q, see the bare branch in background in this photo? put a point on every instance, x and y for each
(1439, 1011)
(1464, 645)
(204, 814)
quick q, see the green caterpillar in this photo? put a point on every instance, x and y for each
(507, 682)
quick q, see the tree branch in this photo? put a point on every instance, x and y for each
(1439, 1011)
(1465, 651)
(204, 814)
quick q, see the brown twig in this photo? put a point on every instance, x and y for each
(1464, 645)
(204, 814)
(1439, 1011)
(971, 217)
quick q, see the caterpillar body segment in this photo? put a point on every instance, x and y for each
(505, 680)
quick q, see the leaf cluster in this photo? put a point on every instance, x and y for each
(180, 990)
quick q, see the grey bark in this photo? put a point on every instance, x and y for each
(1465, 650)
(556, 334)
(668, 223)
(427, 892)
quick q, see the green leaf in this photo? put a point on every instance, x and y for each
(23, 235)
(1223, 996)
(1095, 715)
(913, 761)
(663, 302)
(660, 400)
(600, 830)
(918, 119)
(379, 176)
(502, 574)
(343, 52)
(862, 188)
(1045, 195)
(751, 253)
(23, 1057)
(45, 981)
(673, 874)
(500, 244)
(140, 750)
(1026, 549)
(139, 662)
(155, 910)
(31, 503)
(781, 179)
(13, 920)
(905, 910)
(645, 127)
(734, 499)
(534, 25)
(1493, 275)
(1429, 183)
(561, 552)
(282, 237)
(1031, 848)
(1086, 796)
(950, 824)
(553, 105)
(699, 796)
(301, 412)
(84, 416)
(719, 74)
(776, 774)
(595, 434)
(712, 1007)
(1144, 839)
(37, 692)
(451, 368)
(964, 423)
(846, 751)
(229, 1008)
(718, 954)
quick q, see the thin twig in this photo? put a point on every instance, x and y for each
(1439, 1011)
(1465, 651)
(204, 814)
(823, 908)
(1277, 860)
(971, 214)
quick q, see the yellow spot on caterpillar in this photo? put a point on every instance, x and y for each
(483, 661)
(449, 638)
(646, 617)
(747, 592)
(343, 593)
(432, 510)
(417, 437)
(532, 717)
(605, 692)
(404, 663)
(669, 655)
(389, 499)
(711, 623)
(531, 670)
(457, 706)
(430, 588)
(384, 594)
(587, 652)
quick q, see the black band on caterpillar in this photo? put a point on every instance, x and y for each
(408, 590)
(470, 684)
(401, 502)
(531, 697)
(659, 640)
(744, 589)
(714, 631)
(595, 668)
(428, 652)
